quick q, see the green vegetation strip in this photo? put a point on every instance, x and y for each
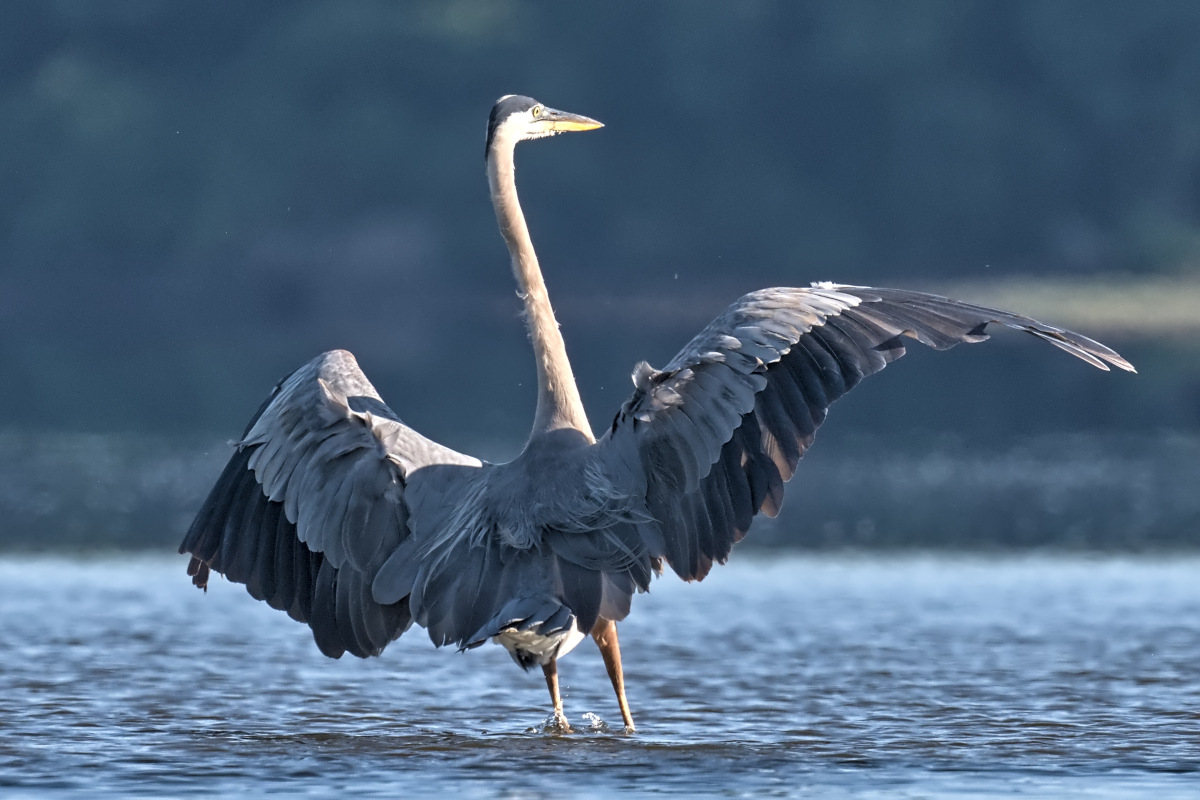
(1157, 306)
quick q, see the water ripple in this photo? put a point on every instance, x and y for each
(934, 677)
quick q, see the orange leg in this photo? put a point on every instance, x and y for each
(551, 672)
(605, 634)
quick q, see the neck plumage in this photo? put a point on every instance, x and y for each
(558, 403)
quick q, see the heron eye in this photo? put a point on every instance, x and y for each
(537, 111)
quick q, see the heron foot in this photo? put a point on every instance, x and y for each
(557, 724)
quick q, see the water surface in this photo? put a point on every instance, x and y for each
(793, 676)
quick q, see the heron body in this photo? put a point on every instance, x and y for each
(335, 511)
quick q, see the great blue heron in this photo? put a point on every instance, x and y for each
(336, 512)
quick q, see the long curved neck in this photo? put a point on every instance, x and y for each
(558, 402)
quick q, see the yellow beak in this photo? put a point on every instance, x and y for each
(556, 120)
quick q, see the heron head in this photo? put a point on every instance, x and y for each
(516, 118)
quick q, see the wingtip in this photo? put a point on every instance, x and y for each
(1112, 357)
(1120, 362)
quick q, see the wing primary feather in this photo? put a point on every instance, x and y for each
(203, 538)
(860, 338)
(706, 547)
(791, 397)
(741, 497)
(324, 613)
(777, 424)
(352, 623)
(685, 533)
(822, 381)
(261, 580)
(244, 493)
(247, 544)
(720, 510)
(306, 566)
(285, 558)
(809, 372)
(847, 356)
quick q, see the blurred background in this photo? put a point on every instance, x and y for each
(196, 198)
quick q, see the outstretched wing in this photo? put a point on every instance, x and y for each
(708, 441)
(313, 502)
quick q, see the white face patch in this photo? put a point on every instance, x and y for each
(522, 126)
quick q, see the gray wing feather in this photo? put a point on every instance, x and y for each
(313, 503)
(708, 441)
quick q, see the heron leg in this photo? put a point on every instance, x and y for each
(550, 669)
(605, 634)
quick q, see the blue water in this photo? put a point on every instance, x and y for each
(793, 676)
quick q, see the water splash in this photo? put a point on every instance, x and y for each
(595, 724)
